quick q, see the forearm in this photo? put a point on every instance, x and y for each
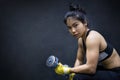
(85, 68)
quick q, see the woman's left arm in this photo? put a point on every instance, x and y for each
(92, 54)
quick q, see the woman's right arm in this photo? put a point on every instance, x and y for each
(80, 56)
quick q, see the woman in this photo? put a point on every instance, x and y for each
(92, 48)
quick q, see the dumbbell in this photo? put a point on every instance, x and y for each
(52, 61)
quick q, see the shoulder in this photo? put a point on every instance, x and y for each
(94, 35)
(93, 38)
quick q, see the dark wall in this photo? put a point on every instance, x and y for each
(31, 31)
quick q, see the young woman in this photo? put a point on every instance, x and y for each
(92, 48)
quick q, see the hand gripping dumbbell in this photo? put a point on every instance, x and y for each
(53, 62)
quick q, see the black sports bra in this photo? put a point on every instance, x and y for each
(103, 54)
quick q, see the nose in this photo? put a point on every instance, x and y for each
(73, 30)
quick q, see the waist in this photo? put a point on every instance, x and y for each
(112, 62)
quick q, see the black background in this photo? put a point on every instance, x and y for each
(31, 31)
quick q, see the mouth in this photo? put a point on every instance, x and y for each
(75, 35)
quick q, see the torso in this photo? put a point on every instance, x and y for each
(114, 60)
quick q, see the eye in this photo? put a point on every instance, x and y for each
(75, 25)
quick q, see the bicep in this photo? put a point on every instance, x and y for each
(92, 53)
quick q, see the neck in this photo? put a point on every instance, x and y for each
(85, 33)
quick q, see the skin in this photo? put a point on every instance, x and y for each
(95, 43)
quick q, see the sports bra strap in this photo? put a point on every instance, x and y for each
(84, 45)
(88, 32)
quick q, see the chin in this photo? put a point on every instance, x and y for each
(77, 37)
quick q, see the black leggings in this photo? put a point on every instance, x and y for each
(101, 74)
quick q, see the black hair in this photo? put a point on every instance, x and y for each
(77, 12)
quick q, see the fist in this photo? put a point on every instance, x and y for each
(61, 69)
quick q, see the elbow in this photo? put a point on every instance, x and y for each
(92, 70)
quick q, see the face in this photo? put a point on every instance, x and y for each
(76, 27)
